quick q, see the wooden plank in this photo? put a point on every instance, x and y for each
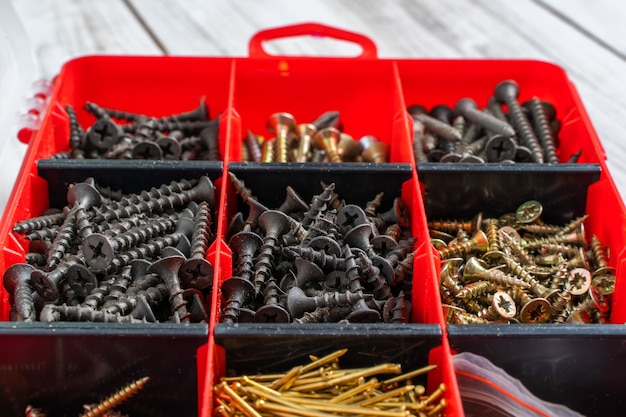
(62, 30)
(602, 20)
(430, 28)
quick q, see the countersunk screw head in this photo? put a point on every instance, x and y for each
(504, 305)
(535, 311)
(196, 273)
(529, 211)
(147, 150)
(579, 281)
(103, 134)
(499, 148)
(98, 251)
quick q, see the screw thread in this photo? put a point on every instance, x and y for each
(37, 223)
(597, 250)
(63, 240)
(524, 129)
(542, 127)
(319, 203)
(201, 231)
(117, 398)
(475, 289)
(24, 303)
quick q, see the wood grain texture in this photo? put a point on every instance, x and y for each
(599, 19)
(62, 29)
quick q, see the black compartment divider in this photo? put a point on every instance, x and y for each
(252, 348)
(460, 191)
(130, 176)
(59, 367)
(357, 183)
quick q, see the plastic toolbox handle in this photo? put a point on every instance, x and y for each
(256, 50)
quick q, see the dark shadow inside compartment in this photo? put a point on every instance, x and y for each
(460, 191)
(269, 348)
(59, 367)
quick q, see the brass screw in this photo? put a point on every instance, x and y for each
(117, 398)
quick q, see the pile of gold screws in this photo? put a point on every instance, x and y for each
(322, 140)
(518, 269)
(105, 408)
(321, 388)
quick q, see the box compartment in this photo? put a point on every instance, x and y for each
(59, 367)
(579, 366)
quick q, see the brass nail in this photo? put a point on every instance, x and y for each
(408, 375)
(355, 391)
(383, 368)
(239, 402)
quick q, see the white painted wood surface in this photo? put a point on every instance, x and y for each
(586, 38)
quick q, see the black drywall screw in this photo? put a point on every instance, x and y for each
(253, 147)
(299, 303)
(275, 224)
(444, 130)
(17, 282)
(52, 313)
(319, 257)
(237, 292)
(349, 217)
(80, 197)
(99, 249)
(293, 202)
(469, 109)
(103, 134)
(77, 134)
(362, 313)
(319, 203)
(544, 134)
(153, 247)
(507, 92)
(209, 138)
(167, 269)
(40, 222)
(197, 272)
(244, 246)
(330, 118)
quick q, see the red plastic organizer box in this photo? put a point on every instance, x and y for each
(372, 96)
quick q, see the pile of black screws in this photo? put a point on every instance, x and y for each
(527, 132)
(323, 261)
(117, 134)
(517, 269)
(322, 140)
(113, 257)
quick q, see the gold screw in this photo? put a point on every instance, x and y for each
(117, 398)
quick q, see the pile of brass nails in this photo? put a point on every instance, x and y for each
(105, 408)
(322, 140)
(518, 269)
(321, 388)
